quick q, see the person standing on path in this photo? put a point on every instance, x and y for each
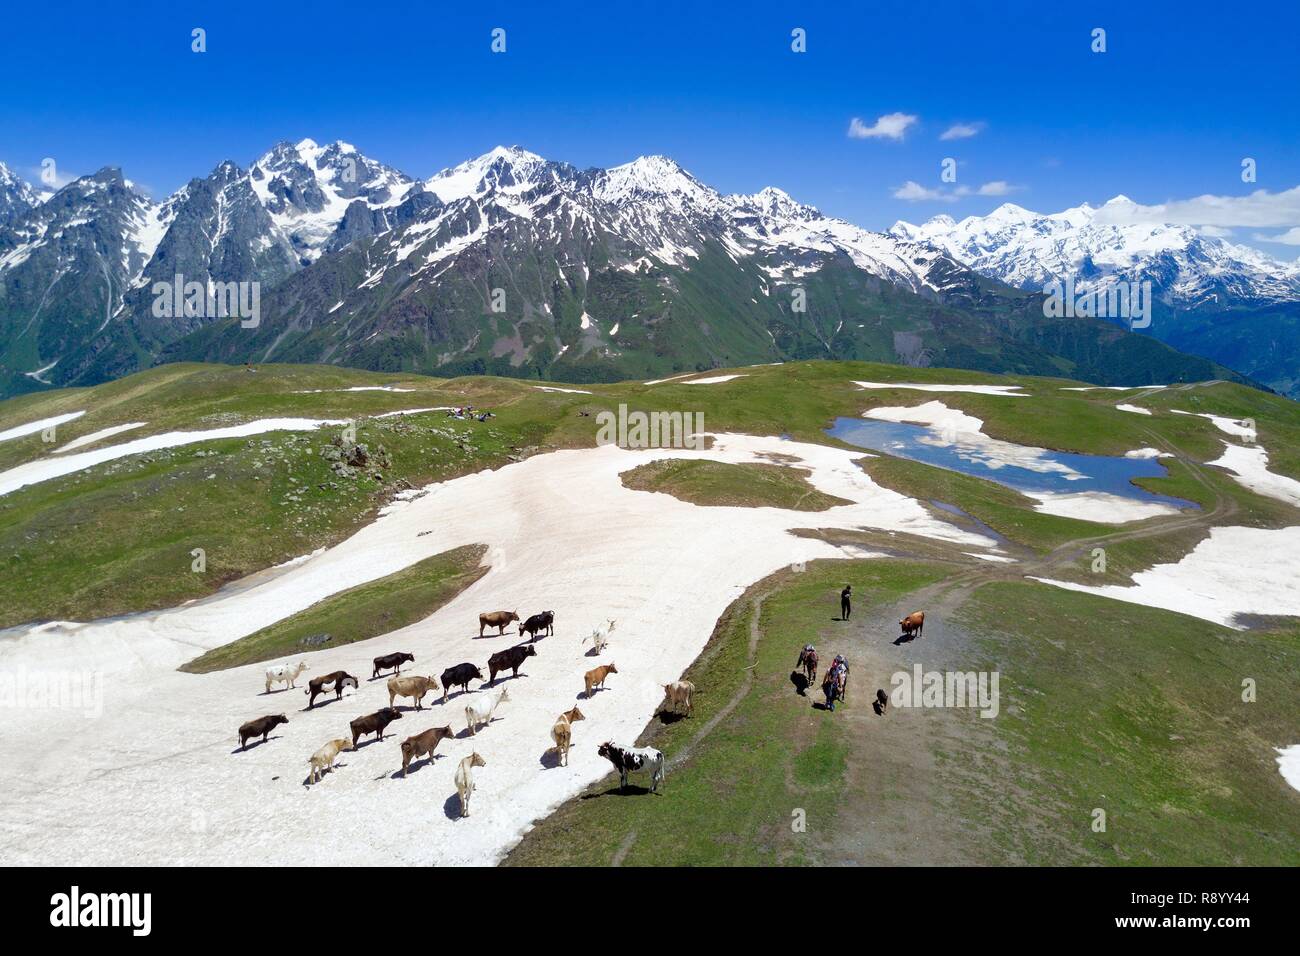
(846, 607)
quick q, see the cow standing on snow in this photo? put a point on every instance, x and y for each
(497, 619)
(284, 674)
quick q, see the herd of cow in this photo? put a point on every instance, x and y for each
(478, 712)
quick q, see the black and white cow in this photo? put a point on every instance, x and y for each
(629, 759)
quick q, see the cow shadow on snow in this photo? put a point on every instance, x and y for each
(306, 781)
(550, 759)
(416, 767)
(451, 807)
(252, 744)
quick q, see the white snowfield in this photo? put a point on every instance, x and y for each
(553, 388)
(1135, 409)
(156, 778)
(951, 427)
(1008, 391)
(18, 431)
(1233, 571)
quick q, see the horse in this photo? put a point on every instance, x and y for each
(808, 661)
(835, 684)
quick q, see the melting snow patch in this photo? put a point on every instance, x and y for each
(713, 380)
(1007, 391)
(1233, 571)
(1249, 466)
(47, 468)
(554, 388)
(98, 436)
(1288, 762)
(1224, 424)
(1148, 453)
(18, 431)
(1135, 409)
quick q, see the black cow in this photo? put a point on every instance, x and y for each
(459, 676)
(510, 659)
(395, 661)
(260, 728)
(339, 680)
(538, 623)
(374, 723)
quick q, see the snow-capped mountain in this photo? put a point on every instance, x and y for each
(66, 264)
(1095, 247)
(16, 195)
(308, 190)
(508, 262)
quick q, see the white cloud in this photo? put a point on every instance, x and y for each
(1218, 232)
(889, 126)
(915, 192)
(962, 130)
(1290, 238)
(1260, 209)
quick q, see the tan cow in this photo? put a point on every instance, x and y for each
(497, 619)
(410, 686)
(323, 759)
(596, 676)
(562, 733)
(465, 779)
(679, 695)
(424, 744)
(914, 623)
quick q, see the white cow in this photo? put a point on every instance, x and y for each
(600, 637)
(284, 673)
(481, 711)
(465, 779)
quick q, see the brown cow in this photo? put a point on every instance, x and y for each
(913, 623)
(414, 687)
(423, 745)
(260, 728)
(596, 676)
(374, 723)
(497, 619)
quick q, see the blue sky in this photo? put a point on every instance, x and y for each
(1183, 93)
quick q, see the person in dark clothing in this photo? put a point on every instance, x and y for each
(846, 608)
